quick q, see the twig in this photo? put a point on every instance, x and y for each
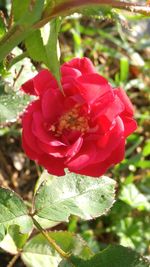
(18, 74)
(17, 59)
(13, 260)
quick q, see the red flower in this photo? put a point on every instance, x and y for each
(83, 130)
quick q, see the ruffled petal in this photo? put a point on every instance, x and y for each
(61, 151)
(69, 73)
(44, 80)
(40, 83)
(74, 148)
(52, 105)
(27, 121)
(33, 155)
(83, 158)
(129, 109)
(58, 152)
(84, 65)
(54, 166)
(40, 132)
(105, 117)
(98, 169)
(92, 87)
(28, 87)
(130, 125)
(93, 152)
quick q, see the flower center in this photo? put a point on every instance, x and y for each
(72, 120)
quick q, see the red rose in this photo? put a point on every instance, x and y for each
(83, 130)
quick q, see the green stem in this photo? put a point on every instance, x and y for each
(66, 5)
(50, 240)
(12, 38)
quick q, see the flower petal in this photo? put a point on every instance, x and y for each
(107, 115)
(33, 155)
(83, 158)
(129, 109)
(92, 152)
(52, 105)
(84, 65)
(28, 87)
(43, 135)
(44, 80)
(27, 133)
(130, 125)
(74, 148)
(53, 165)
(40, 83)
(92, 87)
(52, 150)
(98, 169)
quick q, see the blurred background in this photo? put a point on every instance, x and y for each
(118, 44)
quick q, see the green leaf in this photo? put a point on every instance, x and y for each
(113, 256)
(146, 150)
(133, 232)
(18, 238)
(28, 12)
(42, 46)
(13, 212)
(38, 253)
(35, 47)
(52, 48)
(2, 232)
(124, 69)
(25, 14)
(2, 27)
(19, 10)
(73, 243)
(133, 197)
(13, 240)
(59, 197)
(11, 106)
(8, 244)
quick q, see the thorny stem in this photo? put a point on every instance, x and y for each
(13, 260)
(11, 39)
(69, 6)
(50, 240)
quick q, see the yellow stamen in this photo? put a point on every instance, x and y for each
(71, 121)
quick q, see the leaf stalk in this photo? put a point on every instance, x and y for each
(50, 240)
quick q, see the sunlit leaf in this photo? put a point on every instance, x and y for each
(59, 197)
(42, 46)
(11, 106)
(133, 197)
(13, 212)
(38, 253)
(28, 12)
(114, 256)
